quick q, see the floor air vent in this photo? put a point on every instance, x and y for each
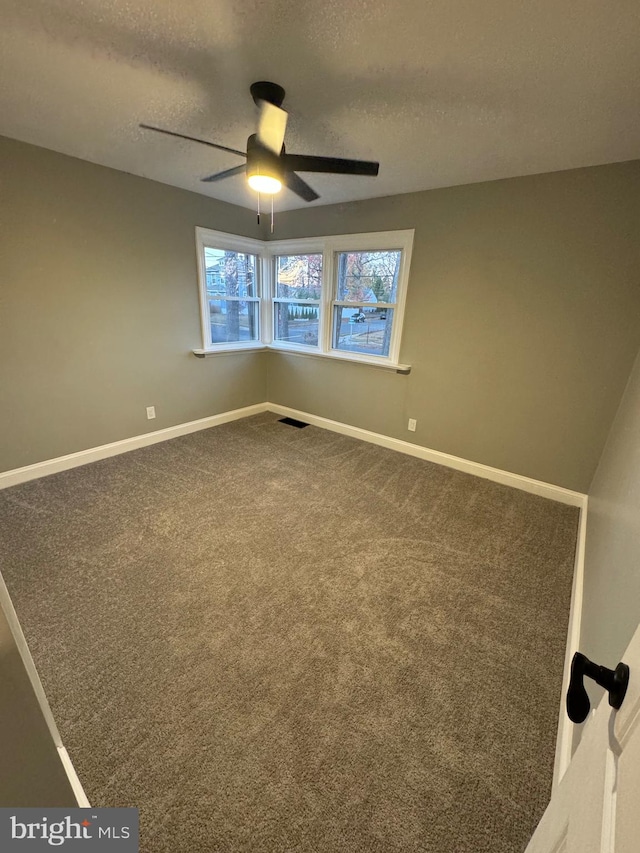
(293, 422)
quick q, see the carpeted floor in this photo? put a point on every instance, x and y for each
(277, 640)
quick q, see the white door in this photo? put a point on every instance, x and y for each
(596, 806)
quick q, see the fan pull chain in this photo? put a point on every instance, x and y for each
(258, 208)
(272, 214)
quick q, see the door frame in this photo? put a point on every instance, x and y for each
(566, 729)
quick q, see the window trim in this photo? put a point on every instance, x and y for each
(206, 238)
(328, 246)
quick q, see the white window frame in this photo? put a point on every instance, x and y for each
(329, 247)
(380, 241)
(206, 238)
(278, 248)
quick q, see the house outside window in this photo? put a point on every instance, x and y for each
(336, 297)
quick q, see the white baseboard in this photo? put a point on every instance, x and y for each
(93, 454)
(518, 481)
(38, 695)
(74, 781)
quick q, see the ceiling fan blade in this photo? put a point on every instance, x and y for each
(335, 165)
(271, 126)
(299, 187)
(194, 139)
(228, 173)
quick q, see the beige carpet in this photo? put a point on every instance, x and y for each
(274, 640)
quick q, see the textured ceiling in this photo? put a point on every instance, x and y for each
(441, 92)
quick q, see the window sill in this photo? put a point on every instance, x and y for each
(229, 350)
(396, 367)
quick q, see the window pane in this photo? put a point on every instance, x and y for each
(229, 273)
(368, 276)
(299, 276)
(296, 322)
(233, 321)
(367, 331)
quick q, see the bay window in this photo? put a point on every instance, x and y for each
(335, 297)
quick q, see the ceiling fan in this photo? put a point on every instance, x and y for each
(268, 166)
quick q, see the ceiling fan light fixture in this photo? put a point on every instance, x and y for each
(264, 168)
(266, 184)
(268, 165)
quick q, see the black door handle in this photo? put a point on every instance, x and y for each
(615, 681)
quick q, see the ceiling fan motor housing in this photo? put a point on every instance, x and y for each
(261, 161)
(265, 91)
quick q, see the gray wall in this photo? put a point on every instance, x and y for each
(523, 315)
(523, 320)
(611, 609)
(99, 307)
(31, 773)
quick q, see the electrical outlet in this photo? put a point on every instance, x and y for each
(413, 423)
(151, 412)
